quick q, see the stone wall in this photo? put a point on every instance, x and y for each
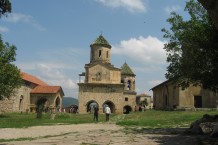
(100, 74)
(168, 96)
(102, 93)
(6, 105)
(100, 53)
(18, 102)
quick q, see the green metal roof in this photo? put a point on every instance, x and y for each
(126, 70)
(101, 41)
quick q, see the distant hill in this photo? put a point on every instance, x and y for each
(68, 101)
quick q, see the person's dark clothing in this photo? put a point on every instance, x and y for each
(96, 114)
(107, 116)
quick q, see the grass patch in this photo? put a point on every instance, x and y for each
(163, 119)
(17, 120)
(148, 119)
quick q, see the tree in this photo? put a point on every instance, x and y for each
(192, 49)
(10, 77)
(212, 9)
(5, 7)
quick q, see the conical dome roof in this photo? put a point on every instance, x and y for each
(101, 41)
(126, 70)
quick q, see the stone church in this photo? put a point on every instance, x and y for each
(168, 95)
(33, 93)
(105, 84)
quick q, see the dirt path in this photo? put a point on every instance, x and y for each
(87, 134)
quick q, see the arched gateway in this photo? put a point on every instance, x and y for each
(104, 83)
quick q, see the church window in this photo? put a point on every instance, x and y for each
(126, 99)
(107, 54)
(99, 53)
(129, 84)
(21, 103)
(98, 76)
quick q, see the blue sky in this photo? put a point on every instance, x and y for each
(53, 37)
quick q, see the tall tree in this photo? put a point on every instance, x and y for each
(10, 77)
(212, 9)
(192, 48)
(5, 7)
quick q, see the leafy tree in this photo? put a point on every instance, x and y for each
(144, 102)
(5, 7)
(192, 49)
(10, 77)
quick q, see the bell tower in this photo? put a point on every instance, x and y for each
(100, 51)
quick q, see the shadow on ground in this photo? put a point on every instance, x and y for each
(176, 136)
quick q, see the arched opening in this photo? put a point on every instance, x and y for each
(110, 105)
(99, 53)
(127, 109)
(90, 106)
(58, 104)
(21, 103)
(129, 85)
(43, 105)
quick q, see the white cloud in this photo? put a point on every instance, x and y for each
(17, 17)
(130, 5)
(170, 9)
(28, 19)
(51, 73)
(144, 50)
(3, 29)
(54, 75)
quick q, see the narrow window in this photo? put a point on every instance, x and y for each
(126, 99)
(99, 54)
(129, 85)
(107, 54)
(21, 103)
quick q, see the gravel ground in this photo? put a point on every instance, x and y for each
(89, 134)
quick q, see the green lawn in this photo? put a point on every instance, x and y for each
(17, 120)
(149, 118)
(163, 119)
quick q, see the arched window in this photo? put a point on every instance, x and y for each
(99, 53)
(21, 103)
(107, 54)
(129, 85)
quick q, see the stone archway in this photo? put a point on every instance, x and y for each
(43, 104)
(57, 102)
(90, 105)
(110, 104)
(127, 109)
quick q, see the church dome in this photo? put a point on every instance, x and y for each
(101, 41)
(126, 70)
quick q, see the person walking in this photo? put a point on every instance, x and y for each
(107, 112)
(96, 113)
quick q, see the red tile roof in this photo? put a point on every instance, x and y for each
(32, 79)
(46, 90)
